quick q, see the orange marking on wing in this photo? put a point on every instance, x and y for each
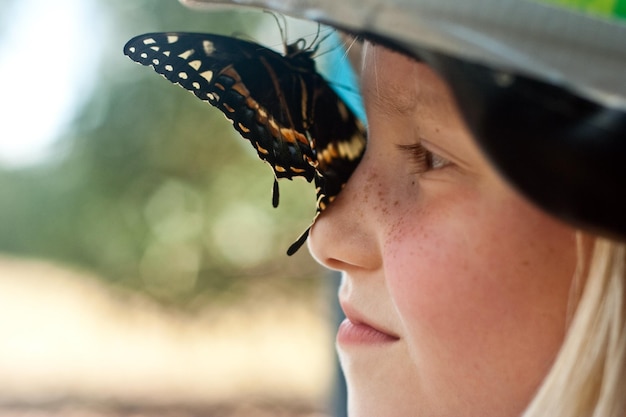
(241, 89)
(273, 126)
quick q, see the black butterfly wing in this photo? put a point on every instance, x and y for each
(279, 103)
(252, 85)
(339, 140)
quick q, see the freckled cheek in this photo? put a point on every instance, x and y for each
(423, 273)
(439, 287)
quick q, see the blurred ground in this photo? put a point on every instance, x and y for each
(71, 346)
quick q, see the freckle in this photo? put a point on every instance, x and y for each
(395, 203)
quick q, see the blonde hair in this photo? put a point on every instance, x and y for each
(588, 378)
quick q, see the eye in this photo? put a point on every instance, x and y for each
(423, 159)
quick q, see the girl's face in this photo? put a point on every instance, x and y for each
(455, 288)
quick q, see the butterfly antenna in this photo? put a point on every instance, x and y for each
(317, 35)
(322, 40)
(283, 35)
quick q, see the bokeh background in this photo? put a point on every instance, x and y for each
(142, 266)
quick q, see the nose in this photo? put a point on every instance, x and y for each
(344, 236)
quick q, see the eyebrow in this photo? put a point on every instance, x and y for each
(394, 100)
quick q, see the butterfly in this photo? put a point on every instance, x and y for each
(279, 103)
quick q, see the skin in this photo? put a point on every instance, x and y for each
(470, 280)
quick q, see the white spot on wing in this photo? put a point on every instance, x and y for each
(343, 111)
(196, 85)
(186, 54)
(132, 49)
(155, 61)
(208, 46)
(144, 55)
(352, 148)
(172, 38)
(166, 53)
(195, 64)
(207, 75)
(155, 48)
(168, 67)
(149, 41)
(182, 75)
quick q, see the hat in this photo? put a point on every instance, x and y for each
(541, 84)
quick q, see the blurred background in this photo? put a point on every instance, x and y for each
(142, 266)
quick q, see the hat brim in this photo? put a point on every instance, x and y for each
(581, 52)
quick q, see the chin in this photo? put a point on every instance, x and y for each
(362, 403)
(380, 383)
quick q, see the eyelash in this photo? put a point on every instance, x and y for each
(423, 159)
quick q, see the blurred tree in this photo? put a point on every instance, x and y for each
(152, 188)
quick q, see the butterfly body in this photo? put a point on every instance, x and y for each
(294, 120)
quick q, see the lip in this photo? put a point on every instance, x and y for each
(355, 330)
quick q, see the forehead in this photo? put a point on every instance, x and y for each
(402, 92)
(394, 83)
